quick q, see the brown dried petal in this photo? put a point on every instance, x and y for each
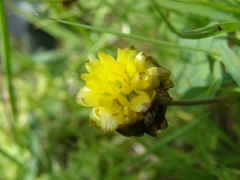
(168, 84)
(150, 115)
(161, 97)
(163, 125)
(160, 117)
(153, 121)
(151, 130)
(151, 62)
(135, 129)
(158, 76)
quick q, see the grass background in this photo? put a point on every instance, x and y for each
(48, 136)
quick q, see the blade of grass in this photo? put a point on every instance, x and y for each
(6, 57)
(235, 171)
(34, 142)
(164, 141)
(131, 36)
(223, 7)
(5, 49)
(206, 155)
(195, 9)
(223, 135)
(203, 32)
(10, 157)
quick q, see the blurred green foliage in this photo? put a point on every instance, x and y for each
(53, 139)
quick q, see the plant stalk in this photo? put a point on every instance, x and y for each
(223, 98)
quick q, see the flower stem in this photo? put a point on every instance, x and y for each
(131, 36)
(218, 99)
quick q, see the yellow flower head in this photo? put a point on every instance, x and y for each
(128, 94)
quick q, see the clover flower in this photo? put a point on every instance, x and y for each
(128, 94)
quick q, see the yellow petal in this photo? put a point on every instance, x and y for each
(130, 116)
(122, 58)
(122, 100)
(92, 85)
(79, 95)
(125, 54)
(99, 71)
(110, 122)
(140, 103)
(143, 85)
(97, 83)
(126, 88)
(105, 102)
(115, 108)
(139, 62)
(112, 78)
(139, 91)
(101, 81)
(107, 60)
(118, 67)
(87, 77)
(95, 118)
(136, 79)
(88, 98)
(113, 89)
(121, 76)
(90, 63)
(130, 51)
(131, 69)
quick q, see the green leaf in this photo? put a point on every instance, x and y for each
(195, 93)
(230, 61)
(217, 75)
